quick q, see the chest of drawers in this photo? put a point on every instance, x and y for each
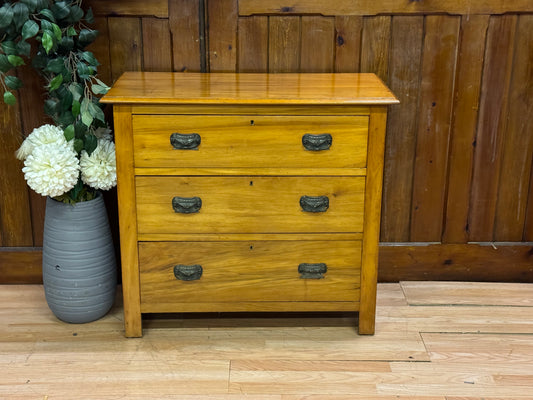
(249, 192)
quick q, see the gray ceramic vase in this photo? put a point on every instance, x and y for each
(79, 265)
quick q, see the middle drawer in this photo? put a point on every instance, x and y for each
(249, 204)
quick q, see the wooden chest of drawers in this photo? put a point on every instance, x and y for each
(249, 192)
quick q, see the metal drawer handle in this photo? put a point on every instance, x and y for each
(188, 272)
(186, 205)
(185, 141)
(317, 142)
(314, 204)
(312, 271)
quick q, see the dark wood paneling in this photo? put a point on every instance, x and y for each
(184, 21)
(517, 150)
(222, 22)
(400, 144)
(284, 44)
(491, 126)
(125, 45)
(464, 123)
(253, 44)
(21, 265)
(156, 8)
(433, 135)
(456, 262)
(373, 7)
(375, 46)
(348, 31)
(156, 45)
(318, 44)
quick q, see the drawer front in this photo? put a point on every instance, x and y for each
(250, 141)
(250, 204)
(264, 271)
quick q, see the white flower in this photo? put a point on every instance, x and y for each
(99, 170)
(45, 134)
(51, 169)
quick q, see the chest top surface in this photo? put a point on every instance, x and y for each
(249, 88)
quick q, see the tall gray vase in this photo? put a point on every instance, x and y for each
(79, 265)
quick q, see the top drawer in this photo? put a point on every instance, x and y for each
(250, 141)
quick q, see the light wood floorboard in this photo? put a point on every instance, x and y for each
(433, 341)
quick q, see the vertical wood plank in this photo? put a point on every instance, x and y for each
(375, 46)
(463, 131)
(348, 31)
(125, 45)
(157, 47)
(436, 99)
(15, 217)
(374, 181)
(491, 127)
(317, 51)
(222, 17)
(184, 21)
(404, 77)
(518, 143)
(127, 218)
(528, 229)
(284, 44)
(100, 48)
(253, 44)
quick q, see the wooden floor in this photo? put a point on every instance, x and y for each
(434, 341)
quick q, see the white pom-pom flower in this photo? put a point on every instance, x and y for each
(51, 169)
(45, 134)
(99, 170)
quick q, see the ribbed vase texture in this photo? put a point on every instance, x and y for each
(79, 265)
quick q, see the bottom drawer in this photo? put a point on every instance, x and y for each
(234, 273)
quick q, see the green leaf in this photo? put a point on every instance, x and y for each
(32, 4)
(90, 58)
(87, 36)
(6, 17)
(9, 47)
(91, 142)
(83, 70)
(55, 83)
(45, 12)
(55, 65)
(48, 42)
(24, 48)
(60, 9)
(66, 43)
(76, 13)
(99, 89)
(96, 112)
(15, 61)
(71, 31)
(29, 29)
(13, 82)
(76, 108)
(77, 91)
(69, 132)
(57, 31)
(9, 98)
(51, 106)
(78, 145)
(5, 65)
(89, 16)
(21, 13)
(86, 116)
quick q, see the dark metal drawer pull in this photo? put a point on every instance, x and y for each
(188, 272)
(317, 142)
(314, 204)
(185, 141)
(312, 271)
(186, 205)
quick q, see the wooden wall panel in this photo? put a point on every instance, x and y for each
(491, 126)
(348, 31)
(187, 40)
(125, 45)
(284, 44)
(518, 143)
(156, 45)
(434, 113)
(404, 80)
(464, 123)
(253, 44)
(459, 148)
(318, 44)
